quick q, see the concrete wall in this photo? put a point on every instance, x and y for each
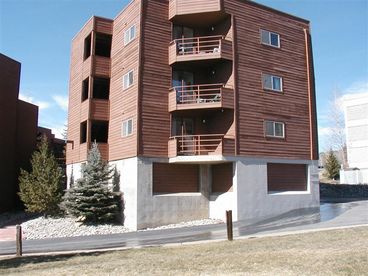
(248, 200)
(253, 199)
(161, 209)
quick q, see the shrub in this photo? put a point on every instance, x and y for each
(90, 198)
(41, 189)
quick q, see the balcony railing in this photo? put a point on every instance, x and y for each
(196, 48)
(200, 145)
(200, 96)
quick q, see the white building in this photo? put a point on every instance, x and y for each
(356, 126)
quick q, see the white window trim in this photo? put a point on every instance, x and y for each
(129, 85)
(272, 88)
(123, 128)
(269, 38)
(128, 31)
(274, 129)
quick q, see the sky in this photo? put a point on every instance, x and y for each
(38, 34)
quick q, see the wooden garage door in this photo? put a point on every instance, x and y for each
(175, 178)
(286, 177)
(222, 178)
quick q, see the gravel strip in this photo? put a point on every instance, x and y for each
(42, 227)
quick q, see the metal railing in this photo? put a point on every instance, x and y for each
(198, 45)
(198, 144)
(201, 93)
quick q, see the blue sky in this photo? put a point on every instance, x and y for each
(38, 34)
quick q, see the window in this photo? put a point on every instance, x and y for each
(87, 47)
(129, 35)
(101, 88)
(103, 45)
(85, 88)
(83, 132)
(128, 80)
(272, 82)
(270, 38)
(127, 128)
(99, 131)
(275, 129)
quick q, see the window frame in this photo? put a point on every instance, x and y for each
(264, 75)
(126, 127)
(274, 129)
(127, 75)
(128, 32)
(269, 43)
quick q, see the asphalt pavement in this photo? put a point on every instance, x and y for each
(329, 215)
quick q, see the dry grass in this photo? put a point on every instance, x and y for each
(338, 252)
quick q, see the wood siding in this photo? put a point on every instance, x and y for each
(123, 103)
(286, 177)
(222, 178)
(182, 7)
(166, 178)
(99, 109)
(80, 69)
(254, 104)
(156, 80)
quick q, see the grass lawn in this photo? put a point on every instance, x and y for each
(337, 252)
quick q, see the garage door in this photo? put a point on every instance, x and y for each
(175, 178)
(286, 177)
(222, 178)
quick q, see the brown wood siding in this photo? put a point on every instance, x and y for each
(222, 178)
(103, 25)
(181, 7)
(254, 104)
(102, 66)
(79, 70)
(99, 110)
(123, 103)
(175, 178)
(156, 80)
(286, 177)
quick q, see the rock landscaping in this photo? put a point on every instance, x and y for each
(46, 227)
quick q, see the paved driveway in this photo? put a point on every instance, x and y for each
(330, 215)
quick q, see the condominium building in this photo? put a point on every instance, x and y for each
(356, 129)
(203, 106)
(18, 134)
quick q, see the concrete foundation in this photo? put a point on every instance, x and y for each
(248, 200)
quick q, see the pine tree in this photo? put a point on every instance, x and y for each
(90, 198)
(332, 166)
(41, 189)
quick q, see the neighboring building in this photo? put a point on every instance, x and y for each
(356, 127)
(203, 106)
(18, 133)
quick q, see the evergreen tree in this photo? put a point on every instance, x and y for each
(41, 189)
(116, 181)
(332, 166)
(90, 198)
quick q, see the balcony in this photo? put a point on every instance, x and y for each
(200, 96)
(194, 145)
(185, 7)
(199, 48)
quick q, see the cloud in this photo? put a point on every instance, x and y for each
(357, 88)
(61, 101)
(41, 104)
